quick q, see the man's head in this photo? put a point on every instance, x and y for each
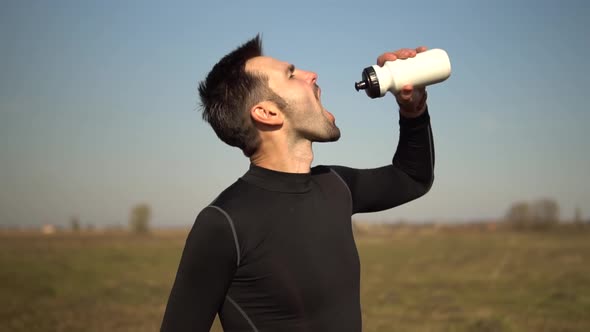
(247, 92)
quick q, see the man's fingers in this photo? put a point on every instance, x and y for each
(385, 57)
(406, 53)
(403, 53)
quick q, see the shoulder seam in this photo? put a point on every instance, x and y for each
(233, 230)
(346, 185)
(242, 312)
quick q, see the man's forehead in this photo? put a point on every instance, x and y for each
(265, 64)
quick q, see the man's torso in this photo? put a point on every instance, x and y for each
(298, 264)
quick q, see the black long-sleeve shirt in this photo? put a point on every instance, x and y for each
(275, 251)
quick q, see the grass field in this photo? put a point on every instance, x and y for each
(411, 281)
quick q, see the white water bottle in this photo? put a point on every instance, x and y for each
(426, 68)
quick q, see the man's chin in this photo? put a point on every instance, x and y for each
(333, 136)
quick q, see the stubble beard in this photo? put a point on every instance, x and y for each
(313, 126)
(332, 132)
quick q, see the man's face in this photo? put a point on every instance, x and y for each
(305, 116)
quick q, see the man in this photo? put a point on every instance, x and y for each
(275, 250)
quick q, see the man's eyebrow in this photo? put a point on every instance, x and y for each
(290, 69)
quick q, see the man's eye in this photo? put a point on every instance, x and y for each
(291, 75)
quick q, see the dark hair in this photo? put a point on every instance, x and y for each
(228, 93)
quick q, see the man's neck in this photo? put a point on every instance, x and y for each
(287, 158)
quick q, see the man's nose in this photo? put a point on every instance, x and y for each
(311, 77)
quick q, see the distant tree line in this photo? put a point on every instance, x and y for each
(139, 220)
(541, 213)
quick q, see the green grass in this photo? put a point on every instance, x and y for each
(415, 281)
(470, 281)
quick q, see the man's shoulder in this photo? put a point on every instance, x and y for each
(331, 170)
(331, 175)
(235, 192)
(320, 169)
(242, 199)
(229, 205)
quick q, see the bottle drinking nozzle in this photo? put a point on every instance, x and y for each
(426, 68)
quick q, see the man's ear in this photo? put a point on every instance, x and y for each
(267, 112)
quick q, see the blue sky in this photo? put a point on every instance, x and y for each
(99, 110)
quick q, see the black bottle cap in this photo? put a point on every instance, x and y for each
(369, 83)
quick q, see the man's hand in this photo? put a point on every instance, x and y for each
(412, 102)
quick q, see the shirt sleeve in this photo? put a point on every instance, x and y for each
(206, 268)
(409, 176)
